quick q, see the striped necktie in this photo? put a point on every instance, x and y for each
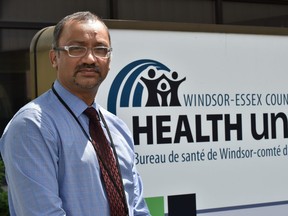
(108, 166)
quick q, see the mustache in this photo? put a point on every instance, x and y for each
(88, 66)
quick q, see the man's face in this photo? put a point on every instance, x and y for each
(81, 75)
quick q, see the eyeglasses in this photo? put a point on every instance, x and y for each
(80, 51)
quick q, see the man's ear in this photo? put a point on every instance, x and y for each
(53, 58)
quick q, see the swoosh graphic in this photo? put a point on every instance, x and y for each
(134, 69)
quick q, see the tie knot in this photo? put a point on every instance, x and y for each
(92, 114)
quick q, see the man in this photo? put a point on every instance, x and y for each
(52, 162)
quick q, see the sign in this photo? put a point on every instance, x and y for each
(208, 113)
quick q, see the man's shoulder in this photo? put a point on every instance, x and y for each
(37, 105)
(110, 117)
(37, 110)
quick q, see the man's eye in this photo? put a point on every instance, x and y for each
(72, 49)
(101, 50)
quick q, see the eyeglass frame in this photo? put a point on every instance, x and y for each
(66, 48)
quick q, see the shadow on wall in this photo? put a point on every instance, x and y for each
(5, 109)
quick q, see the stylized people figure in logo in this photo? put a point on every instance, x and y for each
(174, 84)
(163, 90)
(152, 85)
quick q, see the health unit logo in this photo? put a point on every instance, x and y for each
(161, 84)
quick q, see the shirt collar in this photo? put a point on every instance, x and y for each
(75, 103)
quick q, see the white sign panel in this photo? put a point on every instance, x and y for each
(208, 113)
